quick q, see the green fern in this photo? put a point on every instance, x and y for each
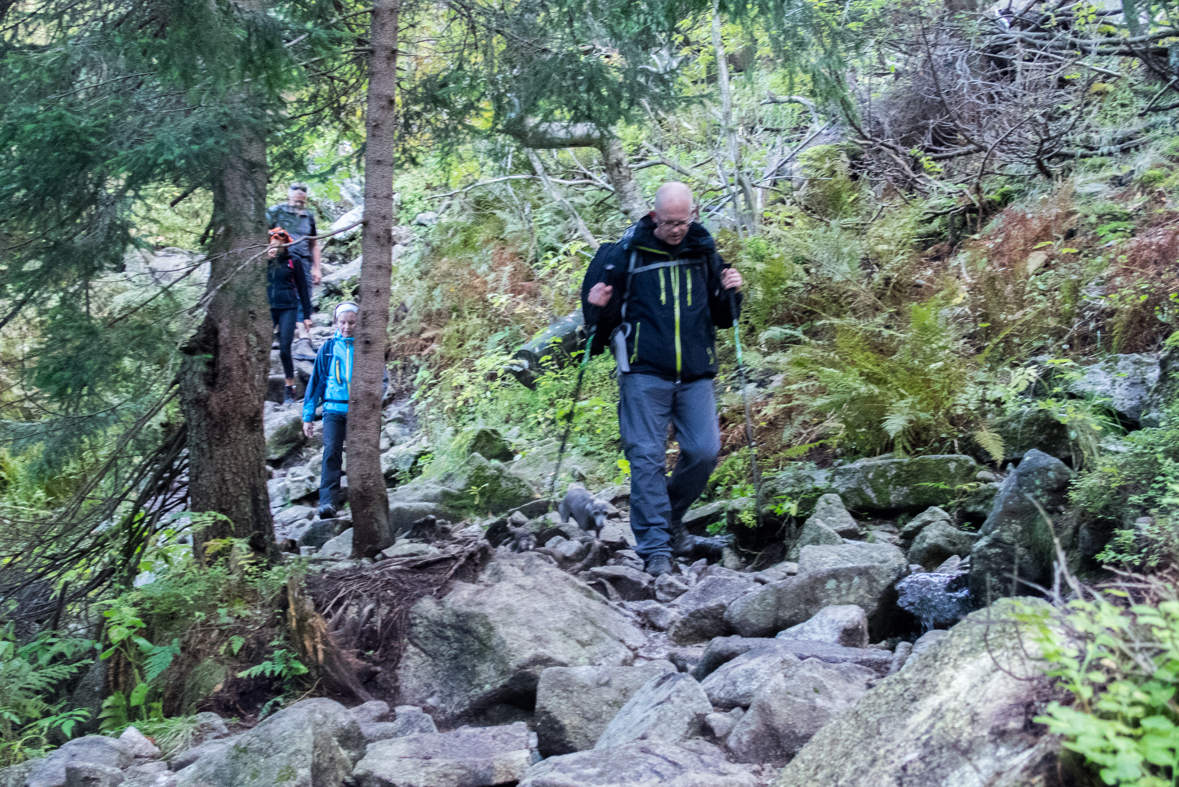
(991, 442)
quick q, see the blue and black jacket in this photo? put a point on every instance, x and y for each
(331, 378)
(665, 307)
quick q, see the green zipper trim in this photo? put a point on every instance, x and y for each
(634, 355)
(675, 295)
(688, 284)
(662, 291)
(654, 251)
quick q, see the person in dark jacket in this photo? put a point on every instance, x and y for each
(657, 297)
(289, 292)
(299, 221)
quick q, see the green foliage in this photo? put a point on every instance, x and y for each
(831, 190)
(900, 388)
(1120, 663)
(31, 677)
(1141, 479)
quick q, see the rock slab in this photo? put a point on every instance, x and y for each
(466, 757)
(313, 743)
(961, 714)
(671, 708)
(487, 642)
(574, 705)
(644, 764)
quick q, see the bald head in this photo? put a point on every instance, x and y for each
(673, 195)
(673, 212)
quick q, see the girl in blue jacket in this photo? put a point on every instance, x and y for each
(329, 384)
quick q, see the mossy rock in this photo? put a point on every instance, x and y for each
(487, 442)
(481, 486)
(891, 485)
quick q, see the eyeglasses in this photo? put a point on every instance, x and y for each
(675, 225)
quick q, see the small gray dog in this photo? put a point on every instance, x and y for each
(590, 514)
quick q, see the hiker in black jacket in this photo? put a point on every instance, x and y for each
(287, 289)
(657, 297)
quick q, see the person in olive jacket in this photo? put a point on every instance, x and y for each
(657, 297)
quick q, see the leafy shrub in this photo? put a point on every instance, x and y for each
(1120, 663)
(1140, 480)
(31, 677)
(887, 387)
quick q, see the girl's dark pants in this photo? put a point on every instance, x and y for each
(335, 427)
(285, 320)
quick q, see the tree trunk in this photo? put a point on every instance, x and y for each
(366, 485)
(744, 219)
(622, 178)
(224, 370)
(552, 136)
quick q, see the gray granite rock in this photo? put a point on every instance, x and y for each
(669, 708)
(574, 705)
(466, 757)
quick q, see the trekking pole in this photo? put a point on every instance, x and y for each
(589, 338)
(748, 419)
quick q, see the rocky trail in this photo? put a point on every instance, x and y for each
(493, 644)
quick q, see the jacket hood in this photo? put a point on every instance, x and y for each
(642, 233)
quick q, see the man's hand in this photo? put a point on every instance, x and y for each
(307, 427)
(271, 252)
(599, 294)
(307, 326)
(731, 279)
(316, 274)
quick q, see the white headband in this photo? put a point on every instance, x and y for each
(346, 306)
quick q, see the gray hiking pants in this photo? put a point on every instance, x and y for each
(646, 405)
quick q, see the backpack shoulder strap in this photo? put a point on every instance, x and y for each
(630, 274)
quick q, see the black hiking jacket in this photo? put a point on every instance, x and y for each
(673, 308)
(287, 284)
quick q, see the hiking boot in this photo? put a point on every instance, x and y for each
(659, 565)
(288, 395)
(682, 542)
(327, 512)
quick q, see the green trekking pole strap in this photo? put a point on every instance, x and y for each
(748, 418)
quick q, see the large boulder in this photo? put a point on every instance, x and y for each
(313, 743)
(829, 510)
(488, 443)
(487, 642)
(702, 609)
(737, 682)
(95, 750)
(889, 485)
(670, 708)
(641, 764)
(848, 555)
(914, 526)
(842, 624)
(937, 542)
(574, 705)
(793, 706)
(477, 486)
(722, 650)
(856, 573)
(283, 430)
(1015, 535)
(962, 714)
(466, 757)
(1125, 381)
(814, 532)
